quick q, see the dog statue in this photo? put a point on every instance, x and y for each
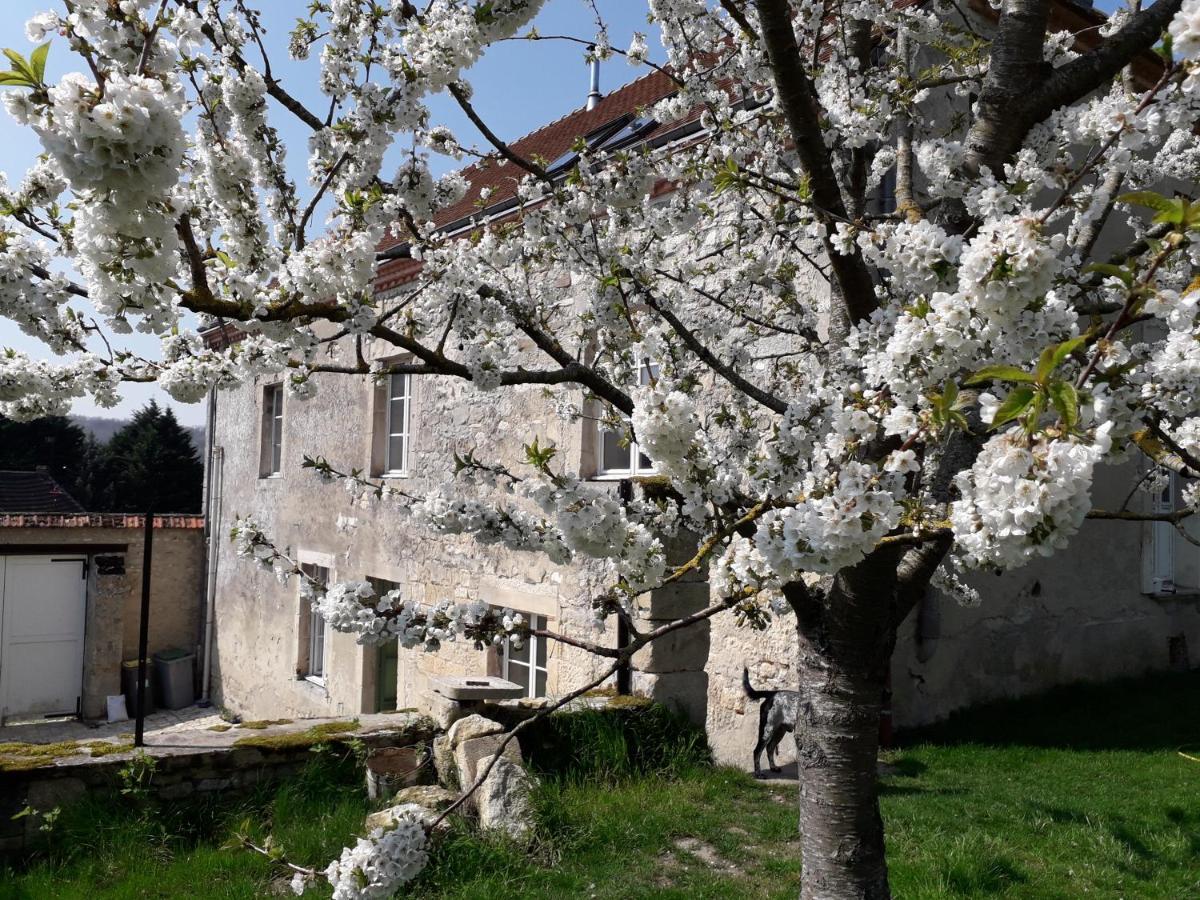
(777, 716)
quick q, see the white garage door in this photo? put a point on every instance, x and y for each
(42, 603)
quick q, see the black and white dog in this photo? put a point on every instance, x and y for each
(777, 716)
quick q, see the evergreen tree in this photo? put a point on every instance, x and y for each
(151, 462)
(56, 444)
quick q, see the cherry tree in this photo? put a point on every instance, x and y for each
(849, 404)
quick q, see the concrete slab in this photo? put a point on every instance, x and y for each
(483, 687)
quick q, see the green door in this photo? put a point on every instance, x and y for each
(386, 668)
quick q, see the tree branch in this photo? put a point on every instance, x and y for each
(798, 101)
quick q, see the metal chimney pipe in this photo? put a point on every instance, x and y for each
(594, 94)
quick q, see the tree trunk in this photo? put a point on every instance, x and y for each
(837, 742)
(846, 640)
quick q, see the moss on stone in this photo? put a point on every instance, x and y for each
(221, 727)
(107, 748)
(17, 756)
(259, 724)
(20, 757)
(323, 733)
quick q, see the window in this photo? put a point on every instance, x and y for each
(527, 666)
(1170, 561)
(396, 451)
(386, 660)
(615, 459)
(621, 132)
(313, 629)
(882, 201)
(272, 430)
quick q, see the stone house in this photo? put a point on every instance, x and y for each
(1118, 602)
(70, 597)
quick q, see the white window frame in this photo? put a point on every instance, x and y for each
(273, 430)
(316, 661)
(647, 370)
(390, 430)
(534, 643)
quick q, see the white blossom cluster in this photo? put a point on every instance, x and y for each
(1020, 502)
(834, 526)
(380, 863)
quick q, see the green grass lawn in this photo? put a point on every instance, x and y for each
(1080, 793)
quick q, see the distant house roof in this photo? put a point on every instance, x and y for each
(34, 492)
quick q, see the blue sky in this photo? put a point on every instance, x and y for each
(518, 86)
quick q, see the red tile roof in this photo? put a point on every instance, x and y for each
(97, 520)
(546, 143)
(555, 138)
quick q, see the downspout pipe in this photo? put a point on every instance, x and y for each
(210, 605)
(213, 458)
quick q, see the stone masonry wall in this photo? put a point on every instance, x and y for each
(259, 630)
(181, 773)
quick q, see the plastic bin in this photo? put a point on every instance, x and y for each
(129, 686)
(176, 681)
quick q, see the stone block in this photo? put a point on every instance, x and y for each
(241, 757)
(503, 800)
(49, 793)
(213, 784)
(683, 650)
(430, 796)
(469, 753)
(675, 600)
(176, 791)
(444, 710)
(387, 817)
(685, 692)
(443, 761)
(485, 687)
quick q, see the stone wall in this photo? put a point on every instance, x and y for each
(114, 592)
(180, 773)
(259, 633)
(1078, 616)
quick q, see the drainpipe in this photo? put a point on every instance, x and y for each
(625, 669)
(213, 460)
(594, 94)
(210, 549)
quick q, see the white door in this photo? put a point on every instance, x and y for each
(42, 604)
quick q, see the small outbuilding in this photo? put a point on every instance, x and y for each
(70, 590)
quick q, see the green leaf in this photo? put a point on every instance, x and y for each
(998, 373)
(15, 79)
(1109, 269)
(1053, 357)
(1174, 216)
(1066, 348)
(38, 60)
(1014, 405)
(1066, 400)
(1149, 199)
(19, 65)
(1036, 410)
